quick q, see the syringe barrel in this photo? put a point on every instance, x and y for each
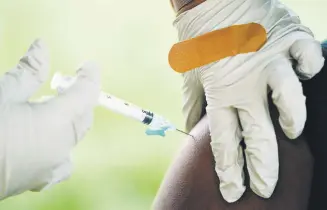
(117, 105)
(61, 83)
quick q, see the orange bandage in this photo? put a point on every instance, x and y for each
(216, 45)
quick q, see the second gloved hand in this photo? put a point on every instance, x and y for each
(235, 89)
(36, 138)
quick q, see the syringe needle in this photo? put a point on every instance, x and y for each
(115, 104)
(184, 133)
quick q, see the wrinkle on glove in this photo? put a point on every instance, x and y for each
(36, 138)
(236, 89)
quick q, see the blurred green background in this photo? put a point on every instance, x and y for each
(117, 167)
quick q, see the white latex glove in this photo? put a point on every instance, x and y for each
(36, 138)
(236, 89)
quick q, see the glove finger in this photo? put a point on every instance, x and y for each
(83, 94)
(287, 95)
(24, 80)
(225, 144)
(261, 146)
(76, 104)
(308, 54)
(193, 97)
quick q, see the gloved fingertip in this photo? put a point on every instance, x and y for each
(90, 70)
(308, 53)
(41, 47)
(39, 43)
(266, 188)
(264, 171)
(232, 196)
(292, 132)
(84, 93)
(36, 61)
(231, 181)
(293, 123)
(306, 72)
(264, 193)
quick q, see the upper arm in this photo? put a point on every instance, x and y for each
(191, 182)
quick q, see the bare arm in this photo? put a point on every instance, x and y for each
(191, 183)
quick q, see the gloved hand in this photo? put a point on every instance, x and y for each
(236, 89)
(36, 138)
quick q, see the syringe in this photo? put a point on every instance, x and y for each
(158, 125)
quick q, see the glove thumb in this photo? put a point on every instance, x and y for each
(20, 83)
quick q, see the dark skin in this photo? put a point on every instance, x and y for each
(191, 182)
